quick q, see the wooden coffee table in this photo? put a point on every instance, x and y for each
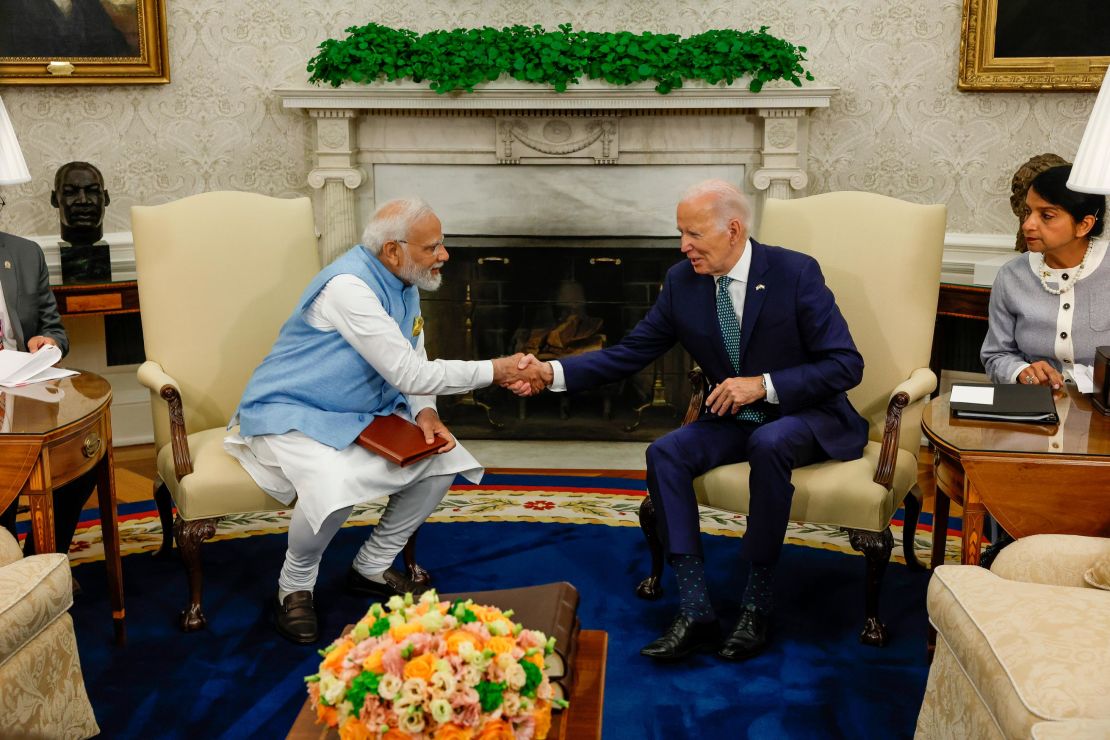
(580, 721)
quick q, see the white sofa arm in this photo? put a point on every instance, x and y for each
(920, 384)
(152, 376)
(1053, 559)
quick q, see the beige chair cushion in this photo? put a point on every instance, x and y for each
(218, 485)
(1054, 559)
(1033, 652)
(1072, 729)
(9, 548)
(34, 592)
(1098, 575)
(841, 494)
(43, 692)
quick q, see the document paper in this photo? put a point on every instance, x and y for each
(983, 396)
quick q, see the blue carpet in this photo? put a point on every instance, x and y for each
(239, 679)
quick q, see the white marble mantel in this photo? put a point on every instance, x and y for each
(371, 141)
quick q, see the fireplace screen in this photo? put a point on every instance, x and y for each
(554, 298)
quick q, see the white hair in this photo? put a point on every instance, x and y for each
(729, 201)
(391, 222)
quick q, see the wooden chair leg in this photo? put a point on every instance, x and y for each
(415, 572)
(650, 587)
(876, 547)
(912, 507)
(189, 536)
(165, 514)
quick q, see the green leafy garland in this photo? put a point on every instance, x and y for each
(464, 57)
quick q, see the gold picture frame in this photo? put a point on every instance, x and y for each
(115, 42)
(982, 70)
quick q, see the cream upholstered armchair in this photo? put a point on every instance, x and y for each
(881, 257)
(42, 692)
(1023, 650)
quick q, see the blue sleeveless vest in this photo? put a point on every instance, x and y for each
(314, 381)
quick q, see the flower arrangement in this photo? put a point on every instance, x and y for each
(430, 669)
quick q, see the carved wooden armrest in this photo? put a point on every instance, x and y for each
(918, 386)
(152, 376)
(697, 394)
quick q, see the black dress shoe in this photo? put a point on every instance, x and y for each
(396, 584)
(748, 638)
(295, 617)
(683, 637)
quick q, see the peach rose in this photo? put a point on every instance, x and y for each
(451, 731)
(395, 734)
(542, 715)
(373, 662)
(352, 729)
(402, 631)
(421, 667)
(496, 729)
(489, 614)
(457, 637)
(500, 644)
(333, 659)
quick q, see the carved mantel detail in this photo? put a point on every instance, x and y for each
(762, 136)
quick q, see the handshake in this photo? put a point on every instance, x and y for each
(523, 374)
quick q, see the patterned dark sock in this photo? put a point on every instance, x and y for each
(693, 592)
(759, 592)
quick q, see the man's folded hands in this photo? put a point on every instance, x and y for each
(523, 374)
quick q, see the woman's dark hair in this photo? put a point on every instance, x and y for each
(1052, 185)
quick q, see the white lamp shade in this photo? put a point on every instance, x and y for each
(13, 168)
(1091, 171)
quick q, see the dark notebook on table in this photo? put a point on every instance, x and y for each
(397, 440)
(1010, 402)
(551, 609)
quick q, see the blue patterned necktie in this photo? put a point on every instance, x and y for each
(730, 332)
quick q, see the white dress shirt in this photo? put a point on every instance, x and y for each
(737, 290)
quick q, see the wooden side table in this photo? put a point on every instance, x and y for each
(51, 433)
(89, 299)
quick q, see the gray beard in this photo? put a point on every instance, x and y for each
(422, 278)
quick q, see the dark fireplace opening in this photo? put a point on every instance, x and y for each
(555, 297)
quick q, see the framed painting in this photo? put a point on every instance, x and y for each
(1034, 45)
(83, 42)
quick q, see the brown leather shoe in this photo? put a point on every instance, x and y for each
(295, 617)
(396, 584)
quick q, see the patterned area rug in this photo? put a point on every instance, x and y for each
(505, 497)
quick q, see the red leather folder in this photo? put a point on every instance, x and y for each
(397, 440)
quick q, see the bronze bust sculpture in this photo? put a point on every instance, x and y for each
(80, 197)
(1019, 186)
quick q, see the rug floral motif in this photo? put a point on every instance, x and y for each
(142, 531)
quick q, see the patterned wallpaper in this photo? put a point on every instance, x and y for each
(898, 126)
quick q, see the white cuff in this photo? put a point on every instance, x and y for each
(559, 382)
(772, 394)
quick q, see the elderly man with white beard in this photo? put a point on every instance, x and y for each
(353, 350)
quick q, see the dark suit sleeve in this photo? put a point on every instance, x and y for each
(49, 321)
(835, 365)
(651, 337)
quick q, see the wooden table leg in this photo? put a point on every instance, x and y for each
(40, 499)
(972, 529)
(109, 527)
(941, 505)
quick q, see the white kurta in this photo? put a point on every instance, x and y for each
(324, 479)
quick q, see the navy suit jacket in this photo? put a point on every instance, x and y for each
(791, 329)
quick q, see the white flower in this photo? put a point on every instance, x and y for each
(389, 686)
(432, 621)
(331, 688)
(441, 711)
(510, 703)
(472, 675)
(412, 722)
(429, 597)
(414, 687)
(468, 652)
(444, 682)
(499, 627)
(395, 603)
(504, 661)
(515, 676)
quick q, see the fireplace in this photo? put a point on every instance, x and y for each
(560, 210)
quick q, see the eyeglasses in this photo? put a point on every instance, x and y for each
(430, 248)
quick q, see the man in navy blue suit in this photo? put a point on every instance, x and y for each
(766, 331)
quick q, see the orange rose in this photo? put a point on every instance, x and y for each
(542, 715)
(496, 729)
(452, 731)
(421, 667)
(352, 729)
(402, 631)
(456, 637)
(327, 715)
(489, 614)
(395, 734)
(333, 659)
(500, 644)
(535, 659)
(373, 662)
